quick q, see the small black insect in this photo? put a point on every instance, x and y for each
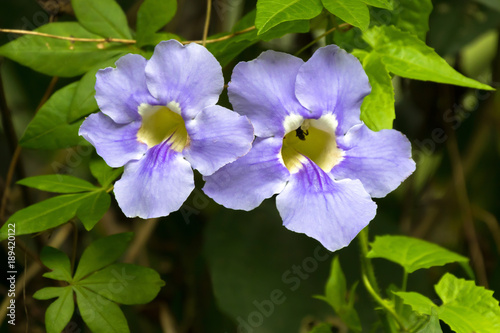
(301, 134)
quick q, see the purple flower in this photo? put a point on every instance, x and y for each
(158, 118)
(311, 146)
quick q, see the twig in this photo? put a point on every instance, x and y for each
(491, 222)
(141, 238)
(167, 320)
(71, 39)
(215, 40)
(207, 22)
(321, 36)
(464, 203)
(123, 41)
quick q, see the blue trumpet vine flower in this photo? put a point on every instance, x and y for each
(311, 147)
(158, 118)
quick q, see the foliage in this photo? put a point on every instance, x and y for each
(391, 39)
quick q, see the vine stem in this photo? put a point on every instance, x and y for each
(207, 22)
(71, 39)
(382, 303)
(123, 41)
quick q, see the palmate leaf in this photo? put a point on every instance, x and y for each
(98, 285)
(58, 57)
(93, 208)
(49, 129)
(412, 253)
(99, 313)
(270, 13)
(58, 313)
(466, 307)
(58, 262)
(354, 12)
(405, 55)
(102, 17)
(102, 253)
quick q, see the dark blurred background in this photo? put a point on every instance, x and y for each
(221, 265)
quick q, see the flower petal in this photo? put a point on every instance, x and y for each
(156, 185)
(333, 81)
(264, 90)
(333, 212)
(188, 75)
(380, 160)
(116, 143)
(218, 136)
(245, 183)
(120, 90)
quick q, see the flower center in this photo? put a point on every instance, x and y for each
(314, 138)
(160, 123)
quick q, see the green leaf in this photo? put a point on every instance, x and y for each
(93, 209)
(413, 16)
(100, 314)
(466, 307)
(58, 184)
(125, 283)
(412, 253)
(45, 215)
(335, 295)
(103, 17)
(49, 128)
(103, 172)
(83, 101)
(322, 328)
(405, 55)
(418, 302)
(354, 12)
(386, 4)
(48, 293)
(432, 325)
(270, 13)
(58, 262)
(101, 253)
(59, 313)
(377, 110)
(56, 57)
(151, 17)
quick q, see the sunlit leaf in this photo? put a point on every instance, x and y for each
(405, 55)
(412, 253)
(354, 12)
(270, 13)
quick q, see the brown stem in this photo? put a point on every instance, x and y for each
(207, 22)
(464, 203)
(72, 39)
